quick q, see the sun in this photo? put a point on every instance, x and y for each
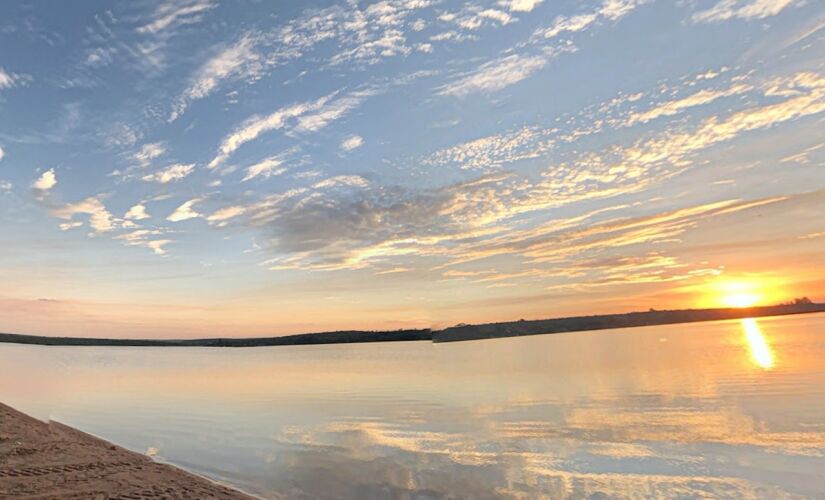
(740, 293)
(741, 299)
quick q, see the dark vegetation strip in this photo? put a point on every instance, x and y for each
(452, 334)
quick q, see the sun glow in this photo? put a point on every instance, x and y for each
(744, 292)
(741, 299)
(761, 353)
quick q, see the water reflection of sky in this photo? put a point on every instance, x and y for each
(715, 409)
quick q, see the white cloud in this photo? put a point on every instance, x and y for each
(65, 226)
(496, 15)
(149, 152)
(473, 17)
(335, 110)
(6, 80)
(239, 60)
(312, 116)
(9, 80)
(520, 5)
(2, 153)
(418, 25)
(226, 213)
(352, 142)
(494, 151)
(171, 15)
(676, 106)
(116, 135)
(742, 9)
(46, 181)
(495, 75)
(478, 219)
(137, 212)
(569, 24)
(257, 125)
(157, 246)
(267, 168)
(100, 57)
(363, 35)
(390, 43)
(805, 94)
(611, 10)
(167, 21)
(185, 211)
(144, 238)
(342, 180)
(99, 217)
(172, 173)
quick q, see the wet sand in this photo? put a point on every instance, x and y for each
(51, 460)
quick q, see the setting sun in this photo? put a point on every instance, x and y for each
(741, 299)
(741, 292)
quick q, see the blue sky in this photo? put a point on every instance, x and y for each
(198, 167)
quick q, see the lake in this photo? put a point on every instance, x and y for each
(733, 408)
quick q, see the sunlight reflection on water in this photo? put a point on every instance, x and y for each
(670, 411)
(760, 350)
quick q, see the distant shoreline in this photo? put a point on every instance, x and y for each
(615, 321)
(451, 334)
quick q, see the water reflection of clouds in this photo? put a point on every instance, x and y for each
(607, 448)
(439, 465)
(610, 413)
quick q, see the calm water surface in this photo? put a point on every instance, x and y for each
(721, 409)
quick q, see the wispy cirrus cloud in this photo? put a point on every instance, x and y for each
(309, 116)
(494, 151)
(676, 106)
(171, 15)
(318, 118)
(743, 9)
(165, 22)
(342, 180)
(100, 57)
(495, 75)
(370, 225)
(266, 168)
(149, 152)
(520, 5)
(6, 80)
(240, 60)
(9, 80)
(170, 174)
(352, 142)
(609, 10)
(365, 35)
(147, 238)
(254, 126)
(221, 216)
(473, 17)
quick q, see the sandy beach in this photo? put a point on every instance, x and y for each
(48, 460)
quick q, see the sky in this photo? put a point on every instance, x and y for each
(203, 168)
